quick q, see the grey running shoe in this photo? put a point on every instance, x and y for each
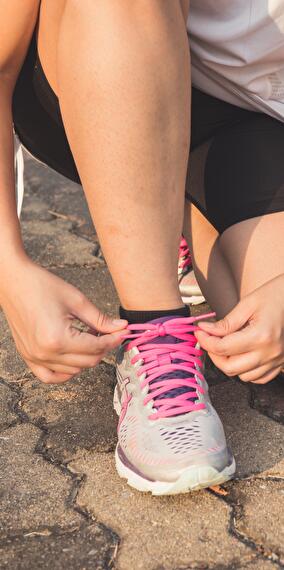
(170, 438)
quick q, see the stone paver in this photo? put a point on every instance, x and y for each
(260, 564)
(49, 195)
(172, 532)
(95, 283)
(53, 243)
(85, 548)
(259, 517)
(256, 441)
(79, 415)
(35, 491)
(12, 366)
(62, 503)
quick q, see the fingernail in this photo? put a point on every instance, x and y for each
(119, 322)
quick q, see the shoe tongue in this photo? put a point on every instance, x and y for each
(175, 374)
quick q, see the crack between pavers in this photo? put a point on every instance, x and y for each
(13, 405)
(44, 531)
(75, 231)
(236, 513)
(76, 479)
(234, 565)
(96, 263)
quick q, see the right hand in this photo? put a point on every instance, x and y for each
(40, 309)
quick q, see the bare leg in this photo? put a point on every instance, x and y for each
(243, 258)
(211, 268)
(127, 120)
(254, 251)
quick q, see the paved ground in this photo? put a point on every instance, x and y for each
(62, 503)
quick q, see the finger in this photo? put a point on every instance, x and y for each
(88, 344)
(235, 343)
(78, 361)
(96, 319)
(73, 363)
(237, 365)
(62, 368)
(247, 366)
(47, 376)
(234, 321)
(58, 365)
(268, 376)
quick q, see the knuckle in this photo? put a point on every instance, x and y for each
(264, 337)
(53, 343)
(220, 349)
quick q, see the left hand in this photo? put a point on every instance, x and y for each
(249, 341)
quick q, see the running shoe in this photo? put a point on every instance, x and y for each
(170, 438)
(191, 293)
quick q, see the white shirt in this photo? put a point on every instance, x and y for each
(237, 49)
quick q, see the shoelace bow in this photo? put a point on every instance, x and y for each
(184, 256)
(160, 359)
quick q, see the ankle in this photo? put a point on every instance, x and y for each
(144, 316)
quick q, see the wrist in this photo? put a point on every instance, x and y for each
(13, 263)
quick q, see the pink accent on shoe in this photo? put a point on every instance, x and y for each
(184, 255)
(160, 359)
(124, 404)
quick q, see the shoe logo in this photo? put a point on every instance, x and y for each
(123, 396)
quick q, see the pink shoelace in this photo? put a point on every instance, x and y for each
(168, 358)
(184, 255)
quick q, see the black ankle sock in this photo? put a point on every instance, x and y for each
(144, 316)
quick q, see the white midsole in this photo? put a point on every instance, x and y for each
(192, 479)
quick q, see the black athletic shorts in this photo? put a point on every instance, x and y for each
(237, 156)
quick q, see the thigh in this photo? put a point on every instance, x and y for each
(241, 172)
(36, 111)
(51, 12)
(254, 250)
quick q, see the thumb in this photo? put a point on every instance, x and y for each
(234, 321)
(96, 319)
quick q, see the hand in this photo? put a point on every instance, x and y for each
(249, 341)
(40, 309)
